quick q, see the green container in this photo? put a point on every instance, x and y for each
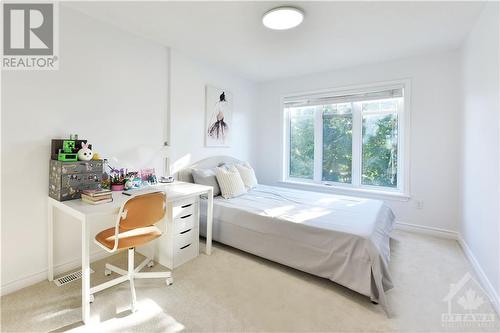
(67, 157)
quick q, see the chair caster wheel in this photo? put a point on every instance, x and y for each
(151, 264)
(107, 272)
(169, 281)
(91, 299)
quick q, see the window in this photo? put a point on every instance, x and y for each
(380, 143)
(302, 143)
(351, 140)
(337, 143)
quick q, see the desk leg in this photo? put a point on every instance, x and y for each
(210, 207)
(85, 272)
(50, 241)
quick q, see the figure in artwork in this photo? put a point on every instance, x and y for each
(218, 127)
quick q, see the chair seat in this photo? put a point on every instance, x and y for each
(128, 238)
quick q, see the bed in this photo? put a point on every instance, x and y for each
(341, 238)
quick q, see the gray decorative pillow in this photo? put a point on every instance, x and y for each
(206, 177)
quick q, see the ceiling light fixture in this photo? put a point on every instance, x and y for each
(282, 18)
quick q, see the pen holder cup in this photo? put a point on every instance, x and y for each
(117, 187)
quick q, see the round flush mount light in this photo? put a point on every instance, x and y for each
(283, 18)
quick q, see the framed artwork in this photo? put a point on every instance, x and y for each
(218, 115)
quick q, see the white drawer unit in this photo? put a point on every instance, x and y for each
(183, 209)
(186, 247)
(181, 225)
(180, 240)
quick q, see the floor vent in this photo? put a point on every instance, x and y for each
(69, 278)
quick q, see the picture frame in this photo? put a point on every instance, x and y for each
(218, 117)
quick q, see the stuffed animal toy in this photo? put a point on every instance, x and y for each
(85, 154)
(96, 156)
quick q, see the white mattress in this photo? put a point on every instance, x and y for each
(342, 238)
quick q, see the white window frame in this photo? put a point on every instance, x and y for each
(402, 192)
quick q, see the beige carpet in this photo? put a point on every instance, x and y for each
(235, 291)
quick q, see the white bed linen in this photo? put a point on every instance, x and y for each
(344, 239)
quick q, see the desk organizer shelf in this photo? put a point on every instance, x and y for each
(68, 179)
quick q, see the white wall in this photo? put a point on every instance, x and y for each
(110, 89)
(434, 130)
(480, 178)
(187, 103)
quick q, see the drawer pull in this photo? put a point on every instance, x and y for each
(185, 231)
(185, 206)
(182, 248)
(183, 217)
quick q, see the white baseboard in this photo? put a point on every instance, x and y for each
(443, 233)
(31, 279)
(432, 231)
(483, 279)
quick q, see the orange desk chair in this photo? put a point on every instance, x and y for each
(134, 227)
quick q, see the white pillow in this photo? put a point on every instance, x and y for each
(247, 175)
(230, 182)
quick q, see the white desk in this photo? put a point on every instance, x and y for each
(84, 213)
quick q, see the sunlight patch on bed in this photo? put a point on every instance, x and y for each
(277, 211)
(304, 215)
(346, 201)
(292, 214)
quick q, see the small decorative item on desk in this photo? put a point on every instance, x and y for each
(106, 177)
(133, 181)
(148, 175)
(96, 197)
(168, 179)
(66, 150)
(85, 153)
(66, 153)
(117, 179)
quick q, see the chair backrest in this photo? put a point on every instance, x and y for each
(143, 210)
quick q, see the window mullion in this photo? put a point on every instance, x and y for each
(318, 145)
(287, 140)
(357, 129)
(401, 147)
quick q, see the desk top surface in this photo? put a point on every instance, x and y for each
(175, 191)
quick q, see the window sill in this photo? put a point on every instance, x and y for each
(382, 195)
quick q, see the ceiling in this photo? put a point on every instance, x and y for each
(333, 35)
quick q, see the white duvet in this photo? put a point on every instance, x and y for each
(342, 238)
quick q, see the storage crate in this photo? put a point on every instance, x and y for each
(68, 179)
